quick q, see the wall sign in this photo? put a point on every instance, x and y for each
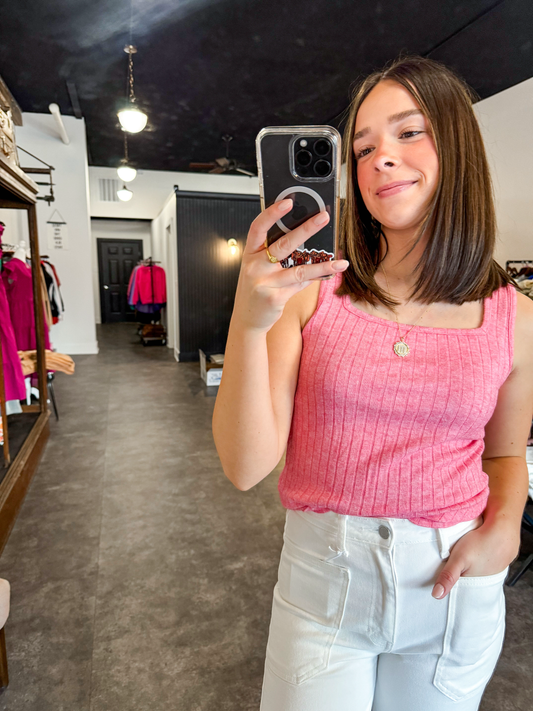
(57, 232)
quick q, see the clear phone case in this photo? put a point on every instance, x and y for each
(293, 161)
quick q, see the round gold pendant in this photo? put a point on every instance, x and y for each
(401, 349)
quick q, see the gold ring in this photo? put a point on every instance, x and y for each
(271, 258)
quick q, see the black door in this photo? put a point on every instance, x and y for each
(116, 259)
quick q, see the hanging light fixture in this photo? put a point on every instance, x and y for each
(131, 118)
(124, 194)
(125, 171)
(232, 244)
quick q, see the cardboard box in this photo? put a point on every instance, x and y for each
(211, 372)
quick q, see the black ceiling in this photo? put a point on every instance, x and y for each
(206, 68)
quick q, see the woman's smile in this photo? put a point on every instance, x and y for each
(394, 188)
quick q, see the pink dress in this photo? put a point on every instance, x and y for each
(17, 280)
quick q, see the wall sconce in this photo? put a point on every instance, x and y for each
(232, 244)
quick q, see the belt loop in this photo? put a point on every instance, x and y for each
(444, 544)
(342, 534)
(341, 537)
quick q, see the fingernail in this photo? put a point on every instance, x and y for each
(340, 265)
(285, 204)
(438, 591)
(321, 218)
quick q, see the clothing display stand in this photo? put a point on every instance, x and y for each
(152, 333)
(19, 192)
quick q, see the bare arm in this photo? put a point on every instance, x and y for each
(492, 547)
(253, 410)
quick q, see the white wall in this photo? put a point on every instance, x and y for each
(116, 229)
(151, 189)
(165, 250)
(76, 333)
(506, 121)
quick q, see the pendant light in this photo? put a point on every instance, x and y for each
(131, 118)
(124, 194)
(125, 171)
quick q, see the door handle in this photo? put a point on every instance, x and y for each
(105, 286)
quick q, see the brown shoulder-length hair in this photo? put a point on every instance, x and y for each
(457, 264)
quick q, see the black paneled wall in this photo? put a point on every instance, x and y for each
(207, 272)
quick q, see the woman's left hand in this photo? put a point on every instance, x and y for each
(487, 550)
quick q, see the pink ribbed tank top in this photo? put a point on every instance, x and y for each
(374, 434)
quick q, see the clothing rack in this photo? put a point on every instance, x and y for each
(149, 262)
(151, 332)
(528, 262)
(512, 265)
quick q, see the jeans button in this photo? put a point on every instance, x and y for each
(384, 532)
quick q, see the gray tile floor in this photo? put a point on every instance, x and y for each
(141, 578)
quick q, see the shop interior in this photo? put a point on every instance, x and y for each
(139, 576)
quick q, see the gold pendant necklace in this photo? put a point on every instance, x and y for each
(400, 347)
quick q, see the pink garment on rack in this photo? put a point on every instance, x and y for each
(150, 285)
(18, 284)
(14, 386)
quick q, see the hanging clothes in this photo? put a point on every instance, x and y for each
(52, 287)
(14, 386)
(18, 283)
(149, 285)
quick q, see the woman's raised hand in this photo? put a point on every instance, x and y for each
(265, 287)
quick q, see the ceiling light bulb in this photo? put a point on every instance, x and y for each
(124, 194)
(132, 119)
(126, 173)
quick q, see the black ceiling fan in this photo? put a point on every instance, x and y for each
(223, 165)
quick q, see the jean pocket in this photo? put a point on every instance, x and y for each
(473, 638)
(307, 611)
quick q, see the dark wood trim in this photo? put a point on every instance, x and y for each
(17, 182)
(31, 408)
(19, 475)
(4, 676)
(38, 309)
(13, 205)
(5, 432)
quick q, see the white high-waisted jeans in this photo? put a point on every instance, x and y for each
(354, 626)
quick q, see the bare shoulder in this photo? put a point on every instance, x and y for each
(523, 337)
(305, 302)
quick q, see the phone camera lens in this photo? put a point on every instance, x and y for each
(322, 168)
(304, 158)
(322, 147)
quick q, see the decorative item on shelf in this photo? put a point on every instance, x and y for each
(131, 118)
(232, 244)
(7, 138)
(124, 194)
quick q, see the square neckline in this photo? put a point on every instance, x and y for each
(487, 305)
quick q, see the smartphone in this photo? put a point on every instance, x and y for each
(302, 163)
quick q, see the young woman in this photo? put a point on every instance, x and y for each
(402, 387)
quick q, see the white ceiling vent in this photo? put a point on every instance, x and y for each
(108, 189)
